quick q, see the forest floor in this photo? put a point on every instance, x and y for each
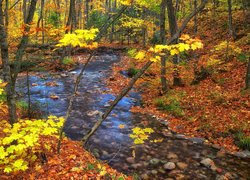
(217, 108)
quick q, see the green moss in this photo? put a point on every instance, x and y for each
(171, 103)
(68, 61)
(243, 141)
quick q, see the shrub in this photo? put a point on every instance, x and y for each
(20, 144)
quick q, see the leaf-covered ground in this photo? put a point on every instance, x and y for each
(218, 107)
(73, 163)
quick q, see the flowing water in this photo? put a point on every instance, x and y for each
(175, 157)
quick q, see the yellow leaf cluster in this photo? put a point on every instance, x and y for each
(154, 53)
(81, 37)
(140, 135)
(20, 143)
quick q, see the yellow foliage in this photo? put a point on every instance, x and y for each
(154, 53)
(81, 37)
(140, 135)
(26, 135)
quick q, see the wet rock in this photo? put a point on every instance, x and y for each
(125, 167)
(174, 173)
(181, 165)
(167, 133)
(197, 140)
(204, 152)
(216, 146)
(242, 154)
(154, 161)
(201, 176)
(154, 172)
(209, 163)
(106, 105)
(227, 176)
(180, 136)
(136, 166)
(93, 113)
(145, 176)
(96, 153)
(97, 141)
(172, 156)
(89, 91)
(221, 153)
(162, 171)
(169, 166)
(105, 153)
(74, 127)
(130, 160)
(63, 75)
(145, 163)
(196, 155)
(122, 155)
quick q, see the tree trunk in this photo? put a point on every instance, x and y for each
(173, 29)
(6, 69)
(86, 12)
(9, 76)
(40, 20)
(24, 10)
(230, 20)
(195, 18)
(163, 41)
(72, 16)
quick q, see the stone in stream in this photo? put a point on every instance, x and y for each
(93, 113)
(145, 176)
(154, 161)
(154, 172)
(96, 152)
(209, 163)
(169, 166)
(243, 154)
(63, 75)
(172, 156)
(221, 153)
(197, 140)
(136, 165)
(97, 141)
(130, 160)
(181, 165)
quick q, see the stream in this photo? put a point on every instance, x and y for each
(176, 157)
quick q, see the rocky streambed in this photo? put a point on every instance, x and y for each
(174, 158)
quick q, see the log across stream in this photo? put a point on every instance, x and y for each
(175, 157)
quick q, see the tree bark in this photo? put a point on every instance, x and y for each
(6, 69)
(72, 16)
(173, 29)
(163, 41)
(195, 18)
(9, 76)
(86, 12)
(230, 20)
